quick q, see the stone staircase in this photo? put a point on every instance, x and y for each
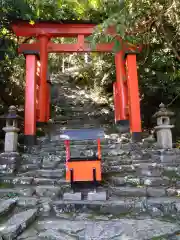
(143, 184)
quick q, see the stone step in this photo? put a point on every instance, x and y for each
(6, 206)
(120, 206)
(141, 181)
(29, 158)
(107, 154)
(11, 181)
(29, 167)
(17, 224)
(105, 142)
(64, 229)
(44, 173)
(51, 191)
(139, 191)
(144, 169)
(14, 192)
(50, 181)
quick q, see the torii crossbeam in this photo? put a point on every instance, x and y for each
(126, 93)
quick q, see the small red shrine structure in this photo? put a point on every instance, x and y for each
(37, 90)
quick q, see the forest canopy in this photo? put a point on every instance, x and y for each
(155, 24)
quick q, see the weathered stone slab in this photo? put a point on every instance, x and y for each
(156, 192)
(48, 191)
(27, 201)
(114, 207)
(59, 173)
(29, 167)
(44, 181)
(129, 191)
(97, 196)
(30, 233)
(118, 181)
(125, 229)
(156, 181)
(16, 224)
(13, 192)
(6, 206)
(167, 205)
(55, 235)
(22, 180)
(77, 196)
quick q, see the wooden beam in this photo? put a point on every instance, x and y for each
(24, 29)
(69, 48)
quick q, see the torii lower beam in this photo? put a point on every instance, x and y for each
(68, 48)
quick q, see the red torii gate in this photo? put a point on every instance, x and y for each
(37, 92)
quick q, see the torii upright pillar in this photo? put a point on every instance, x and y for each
(30, 98)
(134, 100)
(43, 79)
(121, 93)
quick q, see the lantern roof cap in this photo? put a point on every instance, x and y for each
(163, 112)
(12, 114)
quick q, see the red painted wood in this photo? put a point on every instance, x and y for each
(99, 148)
(116, 99)
(69, 48)
(133, 89)
(37, 89)
(25, 29)
(48, 102)
(43, 80)
(60, 48)
(30, 96)
(121, 87)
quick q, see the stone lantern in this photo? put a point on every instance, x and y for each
(11, 130)
(10, 159)
(163, 128)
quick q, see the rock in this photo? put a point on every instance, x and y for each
(156, 192)
(129, 191)
(66, 226)
(29, 167)
(171, 192)
(114, 207)
(46, 207)
(58, 173)
(133, 181)
(27, 201)
(117, 152)
(6, 206)
(72, 196)
(44, 181)
(16, 224)
(55, 235)
(113, 229)
(166, 205)
(118, 181)
(28, 234)
(51, 161)
(14, 192)
(97, 196)
(155, 181)
(48, 191)
(22, 180)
